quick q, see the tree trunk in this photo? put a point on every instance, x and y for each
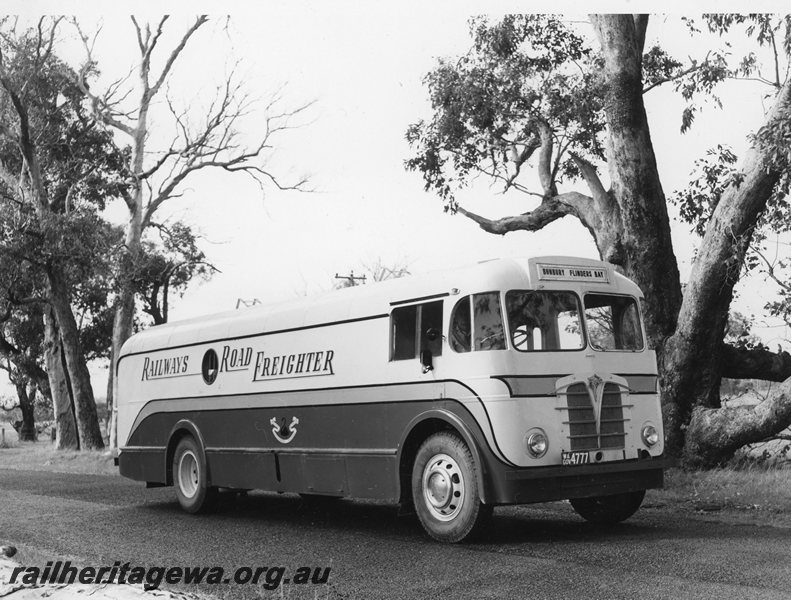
(687, 333)
(27, 432)
(65, 426)
(646, 252)
(693, 359)
(84, 403)
(125, 302)
(110, 422)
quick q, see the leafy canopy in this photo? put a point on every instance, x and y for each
(520, 73)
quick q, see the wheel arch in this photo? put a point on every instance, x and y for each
(183, 428)
(420, 429)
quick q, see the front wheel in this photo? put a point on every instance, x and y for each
(608, 509)
(189, 477)
(445, 489)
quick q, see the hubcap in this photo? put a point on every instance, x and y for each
(188, 474)
(443, 487)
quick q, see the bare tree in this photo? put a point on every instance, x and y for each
(157, 175)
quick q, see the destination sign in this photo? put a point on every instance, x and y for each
(572, 273)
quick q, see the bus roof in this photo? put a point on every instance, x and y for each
(367, 301)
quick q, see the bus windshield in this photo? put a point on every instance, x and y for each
(613, 322)
(541, 321)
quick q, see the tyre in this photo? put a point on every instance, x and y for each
(445, 489)
(190, 479)
(608, 509)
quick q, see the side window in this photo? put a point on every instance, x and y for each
(488, 321)
(477, 323)
(404, 323)
(461, 326)
(408, 321)
(613, 322)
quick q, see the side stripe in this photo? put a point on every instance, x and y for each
(335, 396)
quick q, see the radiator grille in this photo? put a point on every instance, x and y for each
(583, 431)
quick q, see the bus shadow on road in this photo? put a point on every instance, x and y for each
(555, 521)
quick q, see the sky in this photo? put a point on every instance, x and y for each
(362, 70)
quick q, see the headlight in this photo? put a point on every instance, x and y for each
(650, 435)
(537, 443)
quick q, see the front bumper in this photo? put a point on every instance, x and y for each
(542, 484)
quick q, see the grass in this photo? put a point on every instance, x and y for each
(753, 488)
(42, 456)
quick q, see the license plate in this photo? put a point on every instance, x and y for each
(575, 458)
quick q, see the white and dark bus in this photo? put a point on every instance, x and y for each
(507, 382)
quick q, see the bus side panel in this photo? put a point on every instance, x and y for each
(143, 465)
(373, 477)
(241, 470)
(344, 450)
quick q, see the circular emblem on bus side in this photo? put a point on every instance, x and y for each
(210, 366)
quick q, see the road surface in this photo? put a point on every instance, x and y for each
(542, 552)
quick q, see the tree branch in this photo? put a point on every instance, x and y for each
(755, 363)
(175, 53)
(101, 108)
(588, 172)
(694, 67)
(715, 433)
(545, 159)
(551, 209)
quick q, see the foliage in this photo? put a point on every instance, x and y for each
(711, 177)
(529, 69)
(57, 172)
(167, 265)
(715, 173)
(86, 163)
(521, 72)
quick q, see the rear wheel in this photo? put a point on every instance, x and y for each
(189, 477)
(608, 509)
(445, 489)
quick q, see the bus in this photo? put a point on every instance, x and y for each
(510, 381)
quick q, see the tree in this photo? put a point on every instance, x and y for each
(21, 339)
(167, 266)
(157, 173)
(55, 171)
(533, 90)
